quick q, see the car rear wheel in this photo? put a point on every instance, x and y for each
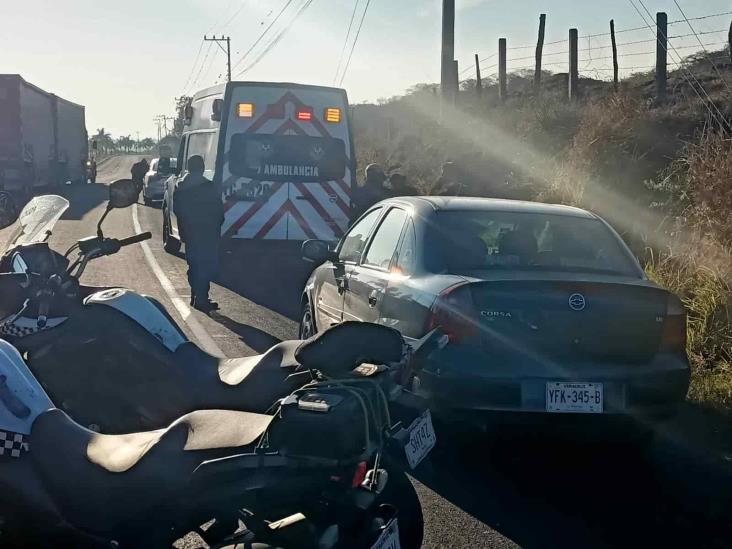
(170, 243)
(307, 322)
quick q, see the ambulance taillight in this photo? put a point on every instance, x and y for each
(245, 110)
(304, 114)
(332, 115)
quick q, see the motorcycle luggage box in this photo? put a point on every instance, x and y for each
(332, 423)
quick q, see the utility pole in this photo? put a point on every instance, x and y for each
(478, 79)
(448, 49)
(573, 65)
(615, 54)
(661, 55)
(539, 53)
(227, 51)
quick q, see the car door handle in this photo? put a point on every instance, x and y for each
(373, 298)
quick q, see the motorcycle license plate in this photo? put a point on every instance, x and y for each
(389, 538)
(421, 439)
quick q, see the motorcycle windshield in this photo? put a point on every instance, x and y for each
(37, 219)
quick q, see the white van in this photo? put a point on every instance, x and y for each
(282, 155)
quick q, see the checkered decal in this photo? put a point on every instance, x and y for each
(10, 329)
(12, 444)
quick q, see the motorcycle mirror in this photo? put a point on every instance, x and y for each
(123, 193)
(8, 210)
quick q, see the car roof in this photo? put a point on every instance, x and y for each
(459, 203)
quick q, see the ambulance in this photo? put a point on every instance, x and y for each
(282, 155)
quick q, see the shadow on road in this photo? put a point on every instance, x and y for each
(83, 199)
(542, 490)
(271, 274)
(252, 337)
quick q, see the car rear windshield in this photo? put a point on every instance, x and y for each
(287, 157)
(491, 240)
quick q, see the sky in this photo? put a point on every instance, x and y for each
(127, 61)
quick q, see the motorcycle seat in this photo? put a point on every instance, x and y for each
(104, 480)
(252, 383)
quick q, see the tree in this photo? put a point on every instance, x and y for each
(146, 144)
(105, 143)
(180, 114)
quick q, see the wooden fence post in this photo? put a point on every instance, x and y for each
(478, 80)
(539, 53)
(615, 54)
(502, 89)
(661, 55)
(455, 81)
(573, 65)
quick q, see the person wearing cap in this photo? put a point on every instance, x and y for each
(371, 192)
(200, 212)
(138, 171)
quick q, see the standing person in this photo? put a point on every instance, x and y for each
(400, 186)
(448, 183)
(200, 212)
(139, 169)
(371, 192)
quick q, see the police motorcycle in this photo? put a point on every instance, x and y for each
(322, 469)
(115, 338)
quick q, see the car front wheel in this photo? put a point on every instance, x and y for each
(307, 322)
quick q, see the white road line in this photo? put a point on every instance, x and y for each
(206, 341)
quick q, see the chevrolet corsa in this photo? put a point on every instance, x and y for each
(547, 310)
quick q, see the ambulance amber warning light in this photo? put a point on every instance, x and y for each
(245, 110)
(333, 115)
(305, 114)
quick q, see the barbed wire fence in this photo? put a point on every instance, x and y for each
(636, 52)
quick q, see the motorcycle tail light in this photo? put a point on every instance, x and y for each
(359, 474)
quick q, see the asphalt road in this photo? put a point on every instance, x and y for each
(530, 490)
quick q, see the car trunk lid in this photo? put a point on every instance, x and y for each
(594, 320)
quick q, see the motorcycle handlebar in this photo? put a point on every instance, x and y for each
(135, 239)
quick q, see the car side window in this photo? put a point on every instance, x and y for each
(384, 244)
(355, 240)
(407, 257)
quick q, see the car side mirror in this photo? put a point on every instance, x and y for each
(123, 193)
(318, 252)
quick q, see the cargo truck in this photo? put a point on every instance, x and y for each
(43, 138)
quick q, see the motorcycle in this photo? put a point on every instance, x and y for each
(322, 469)
(115, 338)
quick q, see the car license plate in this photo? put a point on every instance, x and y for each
(421, 439)
(578, 398)
(389, 538)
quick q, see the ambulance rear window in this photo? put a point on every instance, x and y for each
(287, 158)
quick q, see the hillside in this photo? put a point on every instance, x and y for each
(660, 172)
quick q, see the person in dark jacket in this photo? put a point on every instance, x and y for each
(400, 186)
(448, 184)
(371, 192)
(139, 169)
(200, 212)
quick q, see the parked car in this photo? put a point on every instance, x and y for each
(547, 310)
(154, 182)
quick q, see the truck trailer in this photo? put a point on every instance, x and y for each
(43, 138)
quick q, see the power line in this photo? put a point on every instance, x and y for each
(193, 68)
(345, 42)
(203, 64)
(355, 41)
(719, 74)
(264, 33)
(277, 38)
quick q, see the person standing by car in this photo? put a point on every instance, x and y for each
(200, 214)
(371, 192)
(400, 186)
(448, 184)
(138, 171)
